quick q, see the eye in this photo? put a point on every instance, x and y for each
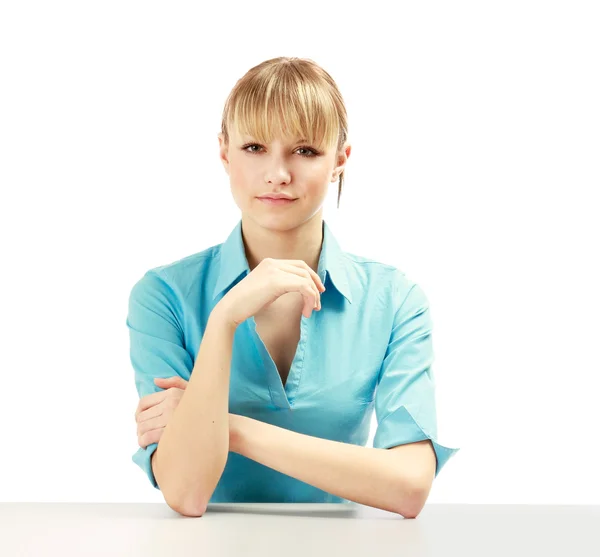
(313, 152)
(245, 147)
(309, 149)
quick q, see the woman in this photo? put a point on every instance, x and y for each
(266, 400)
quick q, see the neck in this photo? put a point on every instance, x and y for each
(302, 242)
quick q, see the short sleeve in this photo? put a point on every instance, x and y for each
(405, 397)
(156, 345)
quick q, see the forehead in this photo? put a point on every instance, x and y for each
(283, 140)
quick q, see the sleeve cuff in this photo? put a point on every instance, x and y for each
(142, 458)
(400, 427)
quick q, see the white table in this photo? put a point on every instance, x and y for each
(248, 529)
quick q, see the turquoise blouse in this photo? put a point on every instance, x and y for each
(368, 348)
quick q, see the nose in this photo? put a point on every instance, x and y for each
(277, 175)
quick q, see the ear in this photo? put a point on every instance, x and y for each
(341, 161)
(223, 152)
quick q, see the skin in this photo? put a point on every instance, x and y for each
(282, 232)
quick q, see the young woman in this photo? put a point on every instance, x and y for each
(259, 361)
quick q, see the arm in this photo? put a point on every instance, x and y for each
(391, 480)
(194, 446)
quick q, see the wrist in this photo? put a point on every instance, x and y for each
(235, 432)
(221, 315)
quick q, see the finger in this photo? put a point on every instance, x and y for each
(310, 298)
(303, 265)
(150, 400)
(298, 283)
(169, 382)
(174, 380)
(316, 278)
(149, 414)
(301, 272)
(152, 423)
(150, 437)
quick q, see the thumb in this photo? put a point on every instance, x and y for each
(176, 379)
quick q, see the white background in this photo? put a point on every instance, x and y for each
(474, 168)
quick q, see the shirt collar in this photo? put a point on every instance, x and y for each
(233, 262)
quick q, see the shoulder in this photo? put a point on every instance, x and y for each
(381, 278)
(179, 277)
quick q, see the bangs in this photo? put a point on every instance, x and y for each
(284, 105)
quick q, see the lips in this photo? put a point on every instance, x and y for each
(275, 197)
(275, 202)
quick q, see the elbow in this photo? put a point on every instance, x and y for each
(413, 491)
(190, 509)
(186, 505)
(413, 499)
(412, 509)
(413, 504)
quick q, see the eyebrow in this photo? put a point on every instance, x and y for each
(250, 137)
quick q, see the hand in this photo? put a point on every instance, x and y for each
(269, 280)
(155, 410)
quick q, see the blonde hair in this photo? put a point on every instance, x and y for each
(288, 96)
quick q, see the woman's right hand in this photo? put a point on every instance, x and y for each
(269, 280)
(155, 410)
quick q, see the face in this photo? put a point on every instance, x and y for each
(288, 166)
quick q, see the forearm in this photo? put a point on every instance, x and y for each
(194, 446)
(365, 475)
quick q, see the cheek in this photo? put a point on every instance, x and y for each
(237, 174)
(318, 174)
(316, 178)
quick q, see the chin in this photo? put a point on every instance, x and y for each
(273, 221)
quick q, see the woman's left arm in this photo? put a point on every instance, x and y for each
(396, 479)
